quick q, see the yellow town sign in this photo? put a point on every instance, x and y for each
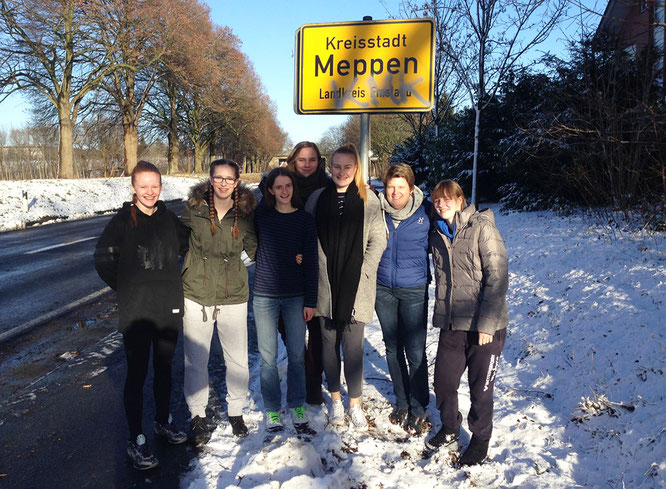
(376, 66)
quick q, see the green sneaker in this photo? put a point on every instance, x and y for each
(273, 423)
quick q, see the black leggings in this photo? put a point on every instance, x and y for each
(351, 339)
(137, 339)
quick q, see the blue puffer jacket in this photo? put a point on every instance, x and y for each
(404, 263)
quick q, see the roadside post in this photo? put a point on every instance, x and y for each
(26, 208)
(365, 67)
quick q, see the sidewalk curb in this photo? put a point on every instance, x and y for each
(25, 327)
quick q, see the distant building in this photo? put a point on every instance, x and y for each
(636, 24)
(278, 160)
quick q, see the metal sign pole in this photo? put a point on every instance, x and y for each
(364, 150)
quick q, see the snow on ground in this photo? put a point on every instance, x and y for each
(579, 396)
(57, 200)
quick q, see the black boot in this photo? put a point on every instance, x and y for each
(199, 432)
(398, 416)
(475, 453)
(238, 426)
(445, 438)
(416, 425)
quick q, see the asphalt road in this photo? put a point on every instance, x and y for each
(47, 267)
(67, 429)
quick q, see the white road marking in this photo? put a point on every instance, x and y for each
(59, 245)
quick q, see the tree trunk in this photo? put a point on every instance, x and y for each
(66, 147)
(477, 130)
(173, 150)
(200, 150)
(131, 141)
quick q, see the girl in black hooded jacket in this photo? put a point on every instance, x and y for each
(137, 256)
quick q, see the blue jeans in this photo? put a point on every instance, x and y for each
(402, 315)
(266, 313)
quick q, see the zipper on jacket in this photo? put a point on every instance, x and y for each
(226, 280)
(394, 258)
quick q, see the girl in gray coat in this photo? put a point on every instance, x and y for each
(472, 278)
(351, 242)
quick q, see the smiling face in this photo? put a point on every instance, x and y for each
(224, 181)
(147, 186)
(306, 162)
(447, 207)
(283, 190)
(343, 169)
(398, 192)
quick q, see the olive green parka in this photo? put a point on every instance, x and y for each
(213, 272)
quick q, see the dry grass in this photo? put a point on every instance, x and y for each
(251, 177)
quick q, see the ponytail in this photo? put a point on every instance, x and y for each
(211, 207)
(133, 210)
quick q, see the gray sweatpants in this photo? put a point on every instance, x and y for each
(197, 334)
(351, 340)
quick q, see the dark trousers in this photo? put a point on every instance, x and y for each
(351, 340)
(402, 315)
(313, 363)
(456, 351)
(138, 340)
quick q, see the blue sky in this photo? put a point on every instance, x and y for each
(266, 29)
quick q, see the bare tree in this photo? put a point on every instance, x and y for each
(136, 37)
(46, 48)
(182, 69)
(486, 39)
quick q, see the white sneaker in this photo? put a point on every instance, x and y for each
(358, 418)
(337, 415)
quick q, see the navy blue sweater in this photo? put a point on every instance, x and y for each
(280, 238)
(404, 263)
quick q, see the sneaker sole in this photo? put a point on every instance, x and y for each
(172, 441)
(451, 447)
(144, 467)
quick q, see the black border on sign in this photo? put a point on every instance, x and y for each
(298, 68)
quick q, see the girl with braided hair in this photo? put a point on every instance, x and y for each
(220, 213)
(137, 256)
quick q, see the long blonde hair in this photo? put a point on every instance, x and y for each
(350, 149)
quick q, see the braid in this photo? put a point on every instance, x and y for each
(133, 210)
(234, 230)
(211, 207)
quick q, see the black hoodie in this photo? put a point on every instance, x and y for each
(141, 263)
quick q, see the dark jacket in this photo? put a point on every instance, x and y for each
(213, 272)
(404, 263)
(280, 238)
(471, 274)
(141, 263)
(374, 243)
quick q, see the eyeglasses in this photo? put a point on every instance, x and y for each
(227, 180)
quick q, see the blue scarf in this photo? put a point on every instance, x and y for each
(443, 226)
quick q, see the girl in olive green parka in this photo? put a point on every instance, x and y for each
(215, 281)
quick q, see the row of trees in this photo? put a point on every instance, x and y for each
(151, 67)
(589, 130)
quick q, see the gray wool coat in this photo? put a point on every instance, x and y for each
(471, 274)
(374, 243)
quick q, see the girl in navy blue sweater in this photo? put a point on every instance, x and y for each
(285, 282)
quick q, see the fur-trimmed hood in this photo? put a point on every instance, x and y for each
(246, 199)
